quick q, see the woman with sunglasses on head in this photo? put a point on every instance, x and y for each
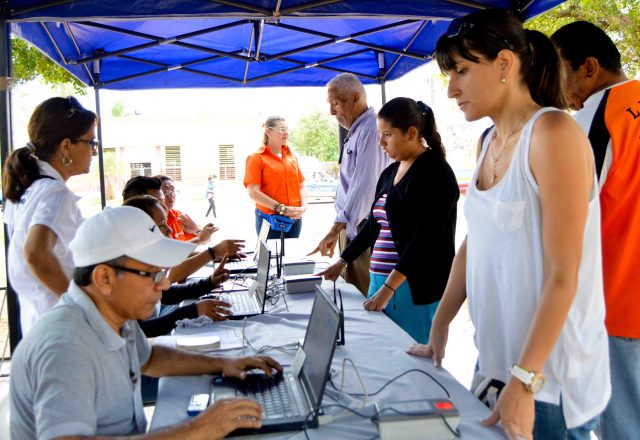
(411, 226)
(274, 179)
(530, 266)
(41, 212)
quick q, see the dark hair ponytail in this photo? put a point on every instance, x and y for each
(403, 113)
(20, 171)
(543, 72)
(52, 121)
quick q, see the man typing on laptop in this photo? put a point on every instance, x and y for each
(77, 373)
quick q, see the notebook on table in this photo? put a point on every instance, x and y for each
(291, 401)
(251, 302)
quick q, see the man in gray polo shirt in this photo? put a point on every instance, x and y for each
(77, 373)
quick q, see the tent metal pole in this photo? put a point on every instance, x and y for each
(13, 307)
(381, 76)
(96, 75)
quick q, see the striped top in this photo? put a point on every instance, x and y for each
(384, 256)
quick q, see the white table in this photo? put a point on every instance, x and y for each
(373, 342)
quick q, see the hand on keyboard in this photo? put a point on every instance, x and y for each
(214, 309)
(227, 415)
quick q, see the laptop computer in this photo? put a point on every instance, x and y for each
(291, 401)
(248, 265)
(251, 302)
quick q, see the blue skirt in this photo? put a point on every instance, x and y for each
(413, 319)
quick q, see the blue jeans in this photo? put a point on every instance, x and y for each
(550, 425)
(294, 232)
(621, 419)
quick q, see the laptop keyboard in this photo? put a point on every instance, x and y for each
(274, 394)
(240, 303)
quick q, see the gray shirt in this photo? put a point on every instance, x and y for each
(74, 375)
(362, 163)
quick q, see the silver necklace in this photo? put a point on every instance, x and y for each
(495, 157)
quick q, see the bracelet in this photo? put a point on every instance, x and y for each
(342, 261)
(212, 254)
(392, 289)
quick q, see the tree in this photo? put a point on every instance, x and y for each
(29, 63)
(316, 135)
(620, 19)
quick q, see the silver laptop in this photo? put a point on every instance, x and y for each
(252, 302)
(248, 265)
(290, 401)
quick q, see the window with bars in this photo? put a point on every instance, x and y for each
(140, 169)
(227, 162)
(173, 164)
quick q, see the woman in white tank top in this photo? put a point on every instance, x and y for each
(530, 265)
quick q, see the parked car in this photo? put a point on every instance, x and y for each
(321, 187)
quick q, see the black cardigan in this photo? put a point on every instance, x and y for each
(421, 209)
(192, 289)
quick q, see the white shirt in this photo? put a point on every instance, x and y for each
(504, 285)
(46, 202)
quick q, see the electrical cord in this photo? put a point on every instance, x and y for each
(344, 361)
(413, 370)
(285, 348)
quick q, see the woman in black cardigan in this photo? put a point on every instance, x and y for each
(411, 227)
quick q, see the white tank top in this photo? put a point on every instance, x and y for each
(504, 284)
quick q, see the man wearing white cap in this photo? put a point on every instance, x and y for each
(77, 373)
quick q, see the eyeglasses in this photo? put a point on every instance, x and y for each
(280, 129)
(156, 277)
(94, 144)
(460, 27)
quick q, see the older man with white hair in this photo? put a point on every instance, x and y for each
(361, 163)
(77, 373)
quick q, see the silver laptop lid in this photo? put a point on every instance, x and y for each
(262, 276)
(263, 236)
(319, 345)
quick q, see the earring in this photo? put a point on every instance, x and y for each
(504, 81)
(66, 161)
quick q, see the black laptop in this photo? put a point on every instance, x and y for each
(291, 402)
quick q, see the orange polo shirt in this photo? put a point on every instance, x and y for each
(278, 177)
(621, 212)
(178, 233)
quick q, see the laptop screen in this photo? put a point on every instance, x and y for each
(262, 277)
(319, 344)
(265, 227)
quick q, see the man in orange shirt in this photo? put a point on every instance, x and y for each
(609, 112)
(274, 180)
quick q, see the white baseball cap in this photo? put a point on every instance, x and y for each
(125, 231)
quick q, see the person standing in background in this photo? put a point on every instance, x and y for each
(361, 163)
(412, 223)
(608, 107)
(274, 179)
(211, 197)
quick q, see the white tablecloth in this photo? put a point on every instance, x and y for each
(373, 342)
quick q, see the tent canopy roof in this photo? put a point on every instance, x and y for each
(147, 44)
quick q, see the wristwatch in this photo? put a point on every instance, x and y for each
(533, 381)
(280, 208)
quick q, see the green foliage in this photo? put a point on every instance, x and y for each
(118, 109)
(316, 135)
(620, 19)
(29, 63)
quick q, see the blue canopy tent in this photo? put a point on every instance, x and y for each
(153, 44)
